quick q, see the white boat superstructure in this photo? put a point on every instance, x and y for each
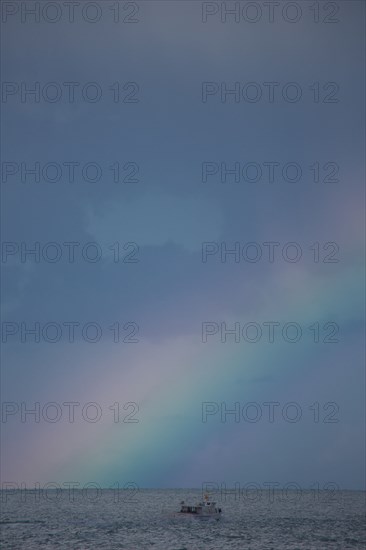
(206, 509)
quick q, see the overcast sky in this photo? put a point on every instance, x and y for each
(167, 148)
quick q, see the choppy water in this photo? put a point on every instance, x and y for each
(264, 520)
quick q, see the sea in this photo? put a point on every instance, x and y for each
(134, 520)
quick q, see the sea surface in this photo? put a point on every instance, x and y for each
(132, 520)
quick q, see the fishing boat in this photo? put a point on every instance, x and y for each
(206, 509)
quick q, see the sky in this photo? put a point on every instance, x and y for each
(190, 182)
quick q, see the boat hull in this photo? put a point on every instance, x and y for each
(202, 517)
